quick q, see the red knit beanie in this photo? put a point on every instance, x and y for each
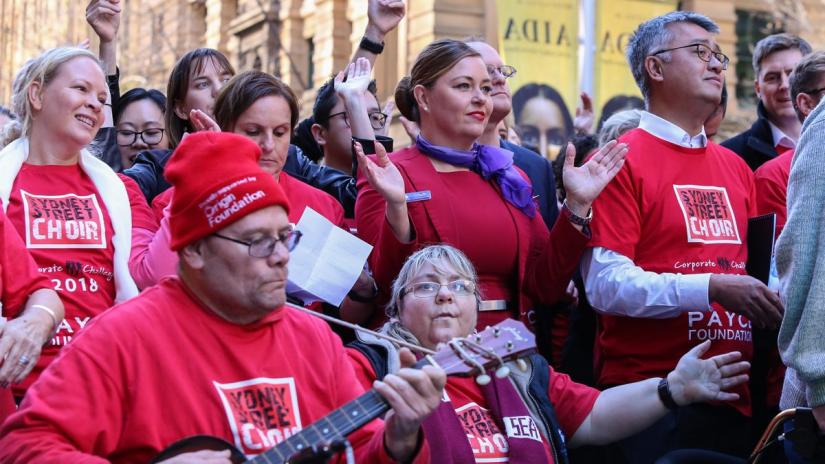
(217, 181)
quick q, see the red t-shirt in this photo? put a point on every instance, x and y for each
(65, 225)
(18, 279)
(161, 367)
(302, 195)
(772, 188)
(678, 210)
(572, 402)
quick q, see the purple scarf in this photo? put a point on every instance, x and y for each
(489, 161)
(449, 444)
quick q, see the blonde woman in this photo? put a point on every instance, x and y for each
(70, 209)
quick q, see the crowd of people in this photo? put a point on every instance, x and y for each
(145, 242)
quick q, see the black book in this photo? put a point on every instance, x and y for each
(761, 233)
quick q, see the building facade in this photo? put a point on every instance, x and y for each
(306, 41)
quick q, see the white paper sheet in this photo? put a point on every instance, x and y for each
(327, 261)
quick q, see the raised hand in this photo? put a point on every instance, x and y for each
(583, 184)
(358, 75)
(583, 123)
(384, 15)
(696, 379)
(202, 122)
(382, 175)
(410, 127)
(389, 109)
(104, 17)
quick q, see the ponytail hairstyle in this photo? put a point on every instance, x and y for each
(433, 62)
(41, 70)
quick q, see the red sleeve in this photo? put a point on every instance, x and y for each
(572, 401)
(362, 367)
(160, 202)
(71, 413)
(554, 259)
(142, 215)
(18, 271)
(771, 196)
(368, 442)
(616, 216)
(388, 254)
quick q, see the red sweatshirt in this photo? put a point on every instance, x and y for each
(18, 279)
(161, 367)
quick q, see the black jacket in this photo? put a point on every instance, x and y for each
(754, 145)
(540, 172)
(148, 173)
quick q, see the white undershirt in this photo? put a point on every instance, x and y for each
(617, 286)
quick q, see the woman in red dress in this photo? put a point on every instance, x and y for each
(447, 188)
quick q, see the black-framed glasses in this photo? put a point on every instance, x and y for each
(704, 52)
(377, 119)
(149, 137)
(430, 289)
(505, 70)
(264, 247)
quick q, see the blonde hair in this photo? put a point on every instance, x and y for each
(438, 256)
(42, 70)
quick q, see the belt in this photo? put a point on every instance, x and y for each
(492, 305)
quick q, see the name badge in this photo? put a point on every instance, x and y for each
(423, 195)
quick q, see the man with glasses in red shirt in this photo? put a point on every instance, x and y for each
(667, 265)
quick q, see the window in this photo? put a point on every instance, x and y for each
(751, 27)
(310, 64)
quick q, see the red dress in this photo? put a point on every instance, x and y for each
(516, 256)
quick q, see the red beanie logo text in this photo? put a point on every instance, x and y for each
(222, 204)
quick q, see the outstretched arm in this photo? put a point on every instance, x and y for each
(627, 409)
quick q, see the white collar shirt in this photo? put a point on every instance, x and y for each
(666, 130)
(780, 138)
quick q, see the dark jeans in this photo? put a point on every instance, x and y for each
(719, 429)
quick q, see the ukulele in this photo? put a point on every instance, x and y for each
(472, 355)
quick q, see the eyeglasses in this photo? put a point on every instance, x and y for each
(430, 289)
(149, 137)
(265, 246)
(703, 52)
(377, 119)
(506, 71)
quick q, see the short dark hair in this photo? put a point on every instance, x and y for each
(776, 43)
(326, 98)
(243, 90)
(136, 95)
(178, 85)
(302, 138)
(805, 76)
(619, 103)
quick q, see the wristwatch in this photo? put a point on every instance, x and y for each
(665, 395)
(371, 46)
(575, 218)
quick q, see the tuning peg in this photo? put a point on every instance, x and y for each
(483, 379)
(521, 365)
(496, 332)
(502, 372)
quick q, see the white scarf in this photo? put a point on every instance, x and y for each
(112, 192)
